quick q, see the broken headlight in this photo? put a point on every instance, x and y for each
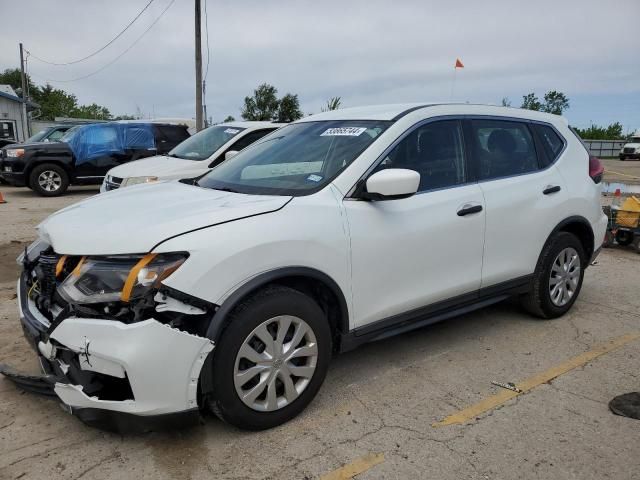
(118, 278)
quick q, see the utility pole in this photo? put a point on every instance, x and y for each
(199, 123)
(25, 120)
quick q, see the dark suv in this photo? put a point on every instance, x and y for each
(85, 154)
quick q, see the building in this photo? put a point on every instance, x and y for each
(13, 124)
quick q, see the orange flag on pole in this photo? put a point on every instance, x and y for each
(459, 63)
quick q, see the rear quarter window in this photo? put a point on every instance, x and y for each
(552, 143)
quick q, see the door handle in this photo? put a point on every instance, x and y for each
(551, 189)
(469, 209)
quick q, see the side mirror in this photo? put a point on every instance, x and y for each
(391, 184)
(230, 154)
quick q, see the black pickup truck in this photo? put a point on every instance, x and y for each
(85, 154)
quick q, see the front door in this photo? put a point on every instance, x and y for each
(413, 252)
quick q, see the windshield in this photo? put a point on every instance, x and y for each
(70, 133)
(38, 136)
(295, 160)
(203, 144)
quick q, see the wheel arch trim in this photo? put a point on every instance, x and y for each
(575, 219)
(219, 318)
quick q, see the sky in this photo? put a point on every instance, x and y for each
(366, 52)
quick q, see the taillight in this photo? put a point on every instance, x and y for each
(596, 169)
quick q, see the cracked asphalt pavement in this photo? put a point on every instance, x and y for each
(380, 399)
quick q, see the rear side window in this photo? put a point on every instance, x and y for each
(138, 138)
(175, 134)
(503, 148)
(551, 142)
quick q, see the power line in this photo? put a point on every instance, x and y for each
(118, 57)
(102, 48)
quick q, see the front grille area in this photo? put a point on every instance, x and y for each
(629, 150)
(112, 183)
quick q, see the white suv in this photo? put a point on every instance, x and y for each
(191, 158)
(233, 291)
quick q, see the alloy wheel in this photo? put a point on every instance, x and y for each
(275, 363)
(50, 180)
(565, 277)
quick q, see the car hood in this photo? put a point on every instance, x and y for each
(50, 146)
(631, 145)
(160, 166)
(135, 219)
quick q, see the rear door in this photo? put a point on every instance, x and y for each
(417, 251)
(139, 141)
(99, 148)
(525, 196)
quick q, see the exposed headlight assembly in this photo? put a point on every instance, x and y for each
(118, 278)
(127, 182)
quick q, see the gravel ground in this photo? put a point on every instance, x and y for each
(373, 417)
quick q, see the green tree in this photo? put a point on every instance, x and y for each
(506, 102)
(93, 111)
(12, 77)
(530, 102)
(55, 103)
(124, 117)
(288, 109)
(334, 103)
(555, 102)
(230, 118)
(595, 132)
(263, 105)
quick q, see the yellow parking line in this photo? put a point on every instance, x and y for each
(355, 468)
(499, 398)
(622, 174)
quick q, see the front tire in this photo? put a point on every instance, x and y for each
(49, 180)
(271, 360)
(558, 277)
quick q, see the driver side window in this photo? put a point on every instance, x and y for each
(435, 151)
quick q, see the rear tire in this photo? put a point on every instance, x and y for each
(244, 364)
(49, 180)
(558, 277)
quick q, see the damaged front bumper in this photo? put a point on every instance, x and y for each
(113, 375)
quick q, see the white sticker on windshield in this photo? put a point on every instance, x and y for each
(232, 131)
(314, 178)
(344, 132)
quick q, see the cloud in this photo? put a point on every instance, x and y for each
(364, 51)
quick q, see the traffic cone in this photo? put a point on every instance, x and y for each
(2, 200)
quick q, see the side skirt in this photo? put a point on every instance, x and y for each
(434, 313)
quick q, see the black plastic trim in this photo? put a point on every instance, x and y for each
(128, 423)
(434, 313)
(573, 219)
(218, 320)
(410, 110)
